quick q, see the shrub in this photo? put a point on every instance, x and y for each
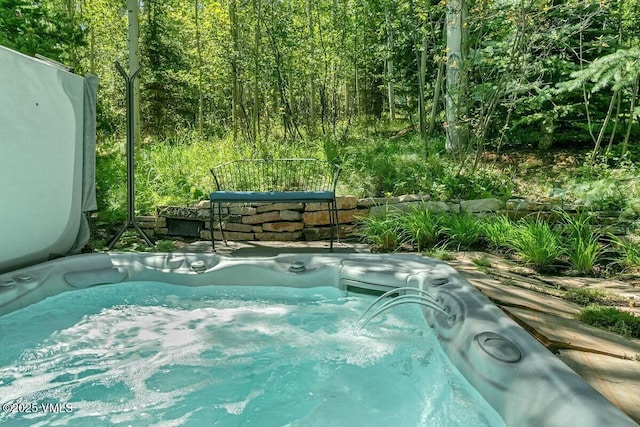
(462, 230)
(611, 319)
(420, 227)
(628, 253)
(536, 242)
(381, 231)
(582, 242)
(498, 231)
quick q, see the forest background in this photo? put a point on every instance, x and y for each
(407, 96)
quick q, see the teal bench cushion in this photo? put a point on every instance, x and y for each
(271, 196)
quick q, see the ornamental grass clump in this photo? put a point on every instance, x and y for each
(582, 241)
(497, 231)
(628, 253)
(536, 243)
(462, 231)
(420, 227)
(382, 231)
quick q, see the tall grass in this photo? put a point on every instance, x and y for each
(382, 231)
(537, 243)
(420, 227)
(498, 232)
(582, 241)
(628, 253)
(462, 231)
(175, 170)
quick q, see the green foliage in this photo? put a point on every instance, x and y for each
(498, 231)
(165, 246)
(383, 232)
(420, 227)
(462, 231)
(482, 262)
(582, 242)
(628, 253)
(618, 70)
(36, 27)
(586, 297)
(611, 319)
(441, 253)
(603, 194)
(478, 184)
(537, 243)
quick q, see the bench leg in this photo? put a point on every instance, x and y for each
(333, 219)
(213, 243)
(224, 238)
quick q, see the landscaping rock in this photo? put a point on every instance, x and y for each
(290, 215)
(261, 218)
(283, 226)
(280, 207)
(481, 205)
(279, 237)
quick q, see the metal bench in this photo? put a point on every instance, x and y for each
(275, 181)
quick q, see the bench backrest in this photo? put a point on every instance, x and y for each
(276, 175)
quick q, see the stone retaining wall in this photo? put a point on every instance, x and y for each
(310, 221)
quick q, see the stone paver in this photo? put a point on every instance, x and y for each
(576, 334)
(609, 362)
(616, 379)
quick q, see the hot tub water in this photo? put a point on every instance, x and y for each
(158, 354)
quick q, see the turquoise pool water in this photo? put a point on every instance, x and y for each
(157, 354)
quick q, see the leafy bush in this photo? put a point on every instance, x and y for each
(381, 231)
(463, 230)
(603, 194)
(420, 227)
(498, 231)
(628, 253)
(537, 243)
(611, 319)
(478, 184)
(582, 241)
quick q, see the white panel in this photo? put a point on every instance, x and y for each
(40, 159)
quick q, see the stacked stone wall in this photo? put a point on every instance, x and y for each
(310, 221)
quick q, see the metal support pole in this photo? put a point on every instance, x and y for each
(131, 200)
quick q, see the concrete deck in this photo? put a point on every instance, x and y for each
(607, 361)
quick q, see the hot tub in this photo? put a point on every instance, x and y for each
(515, 374)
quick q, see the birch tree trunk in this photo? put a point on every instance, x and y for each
(133, 30)
(391, 92)
(234, 68)
(455, 79)
(200, 65)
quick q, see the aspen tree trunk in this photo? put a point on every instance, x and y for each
(134, 63)
(390, 89)
(234, 68)
(255, 112)
(311, 120)
(634, 94)
(421, 57)
(456, 135)
(200, 65)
